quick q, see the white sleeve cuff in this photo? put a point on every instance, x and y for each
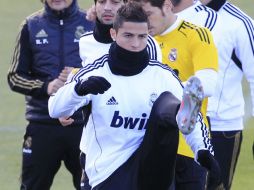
(208, 78)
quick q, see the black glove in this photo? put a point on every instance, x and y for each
(207, 160)
(93, 85)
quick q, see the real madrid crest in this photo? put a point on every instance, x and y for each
(153, 97)
(172, 56)
(28, 142)
(79, 31)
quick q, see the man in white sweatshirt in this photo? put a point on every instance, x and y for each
(96, 43)
(132, 134)
(226, 106)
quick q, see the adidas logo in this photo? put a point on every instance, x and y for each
(112, 101)
(41, 34)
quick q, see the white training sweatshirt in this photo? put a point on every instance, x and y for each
(116, 125)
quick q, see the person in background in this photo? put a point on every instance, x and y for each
(226, 106)
(195, 12)
(96, 43)
(46, 51)
(190, 51)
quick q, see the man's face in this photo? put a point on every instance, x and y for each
(106, 10)
(156, 19)
(59, 5)
(132, 36)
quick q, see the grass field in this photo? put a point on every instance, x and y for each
(12, 123)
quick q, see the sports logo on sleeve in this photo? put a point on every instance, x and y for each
(202, 32)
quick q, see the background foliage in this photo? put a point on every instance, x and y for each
(12, 122)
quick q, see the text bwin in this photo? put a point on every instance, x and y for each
(128, 122)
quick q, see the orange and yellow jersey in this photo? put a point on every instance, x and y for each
(188, 48)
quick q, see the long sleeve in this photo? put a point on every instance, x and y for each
(244, 51)
(199, 138)
(208, 78)
(66, 101)
(20, 76)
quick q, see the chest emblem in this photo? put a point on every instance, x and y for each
(172, 56)
(112, 101)
(41, 37)
(80, 30)
(153, 98)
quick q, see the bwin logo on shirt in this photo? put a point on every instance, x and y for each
(128, 122)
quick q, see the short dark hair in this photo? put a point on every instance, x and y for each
(130, 12)
(154, 3)
(176, 2)
(125, 1)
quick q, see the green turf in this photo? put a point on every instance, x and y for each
(12, 123)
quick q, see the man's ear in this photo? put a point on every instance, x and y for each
(113, 33)
(168, 5)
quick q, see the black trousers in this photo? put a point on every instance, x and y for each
(189, 175)
(84, 184)
(152, 164)
(44, 147)
(227, 146)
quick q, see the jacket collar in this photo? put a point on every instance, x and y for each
(216, 4)
(127, 63)
(101, 32)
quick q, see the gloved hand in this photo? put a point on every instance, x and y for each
(207, 160)
(93, 85)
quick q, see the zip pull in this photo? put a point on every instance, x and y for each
(61, 22)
